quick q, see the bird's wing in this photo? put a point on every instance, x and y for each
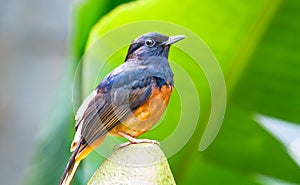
(84, 105)
(108, 107)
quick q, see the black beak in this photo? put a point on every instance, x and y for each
(172, 40)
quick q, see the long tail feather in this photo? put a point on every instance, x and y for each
(71, 168)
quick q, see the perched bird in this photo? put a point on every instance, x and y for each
(128, 101)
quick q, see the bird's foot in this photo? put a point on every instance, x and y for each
(138, 141)
(133, 140)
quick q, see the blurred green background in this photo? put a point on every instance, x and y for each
(257, 46)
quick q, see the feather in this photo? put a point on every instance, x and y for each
(84, 106)
(107, 108)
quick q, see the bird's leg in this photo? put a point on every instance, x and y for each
(137, 141)
(133, 140)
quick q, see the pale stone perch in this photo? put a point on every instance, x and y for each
(142, 164)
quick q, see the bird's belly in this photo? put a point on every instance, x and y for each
(146, 115)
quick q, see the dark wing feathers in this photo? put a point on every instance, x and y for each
(141, 91)
(108, 107)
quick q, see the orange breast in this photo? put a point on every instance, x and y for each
(146, 115)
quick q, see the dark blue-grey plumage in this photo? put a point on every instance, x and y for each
(129, 85)
(127, 73)
(146, 70)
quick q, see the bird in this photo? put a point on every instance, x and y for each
(128, 101)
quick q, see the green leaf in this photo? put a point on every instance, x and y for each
(269, 85)
(86, 14)
(255, 43)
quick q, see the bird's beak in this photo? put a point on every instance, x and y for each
(172, 40)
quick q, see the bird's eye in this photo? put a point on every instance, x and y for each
(150, 43)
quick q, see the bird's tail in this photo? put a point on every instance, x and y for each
(71, 168)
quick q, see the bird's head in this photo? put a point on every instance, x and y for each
(151, 44)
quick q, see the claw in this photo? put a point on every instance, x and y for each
(137, 141)
(118, 146)
(133, 140)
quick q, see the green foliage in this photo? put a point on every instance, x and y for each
(86, 14)
(52, 151)
(256, 44)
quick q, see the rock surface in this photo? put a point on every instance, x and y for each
(142, 164)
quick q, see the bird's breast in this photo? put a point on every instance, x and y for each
(144, 117)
